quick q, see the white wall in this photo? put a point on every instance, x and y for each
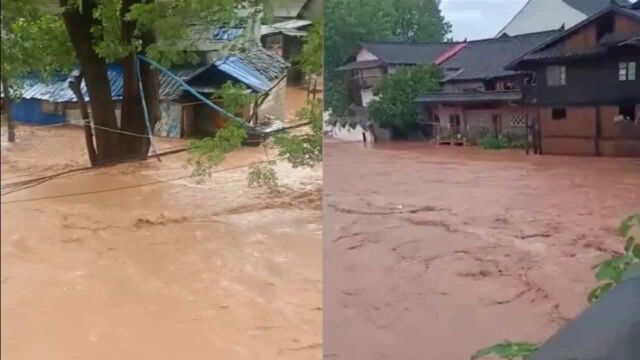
(542, 15)
(274, 105)
(367, 96)
(365, 55)
(346, 133)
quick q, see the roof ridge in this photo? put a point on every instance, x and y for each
(509, 37)
(453, 43)
(399, 42)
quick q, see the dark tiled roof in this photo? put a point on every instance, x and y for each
(407, 53)
(631, 11)
(368, 64)
(484, 59)
(590, 7)
(266, 63)
(560, 53)
(469, 96)
(550, 48)
(633, 41)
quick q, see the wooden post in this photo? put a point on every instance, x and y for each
(598, 130)
(526, 128)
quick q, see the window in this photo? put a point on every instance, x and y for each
(626, 113)
(627, 71)
(559, 113)
(556, 75)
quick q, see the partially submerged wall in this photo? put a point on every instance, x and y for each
(577, 133)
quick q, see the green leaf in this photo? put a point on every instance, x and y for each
(629, 223)
(508, 350)
(596, 293)
(614, 268)
(631, 247)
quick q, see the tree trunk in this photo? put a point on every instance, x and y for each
(94, 69)
(132, 115)
(76, 87)
(8, 103)
(112, 146)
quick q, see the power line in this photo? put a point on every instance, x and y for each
(125, 187)
(29, 183)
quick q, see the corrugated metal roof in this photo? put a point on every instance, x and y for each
(292, 24)
(57, 90)
(244, 72)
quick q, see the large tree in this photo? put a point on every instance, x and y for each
(348, 22)
(28, 34)
(112, 31)
(107, 31)
(395, 108)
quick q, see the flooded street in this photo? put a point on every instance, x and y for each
(433, 253)
(136, 261)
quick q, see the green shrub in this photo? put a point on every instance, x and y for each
(491, 142)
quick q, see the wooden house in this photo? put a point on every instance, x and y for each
(585, 86)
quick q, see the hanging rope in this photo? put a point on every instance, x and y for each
(144, 107)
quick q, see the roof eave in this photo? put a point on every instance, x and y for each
(613, 7)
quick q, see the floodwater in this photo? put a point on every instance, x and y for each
(136, 261)
(433, 253)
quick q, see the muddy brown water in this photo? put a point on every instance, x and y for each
(165, 271)
(433, 253)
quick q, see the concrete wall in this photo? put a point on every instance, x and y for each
(542, 15)
(274, 105)
(347, 133)
(477, 122)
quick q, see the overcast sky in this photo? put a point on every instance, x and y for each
(479, 19)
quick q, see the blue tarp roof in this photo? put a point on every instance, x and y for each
(57, 89)
(255, 68)
(241, 70)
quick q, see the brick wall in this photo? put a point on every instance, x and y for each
(575, 135)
